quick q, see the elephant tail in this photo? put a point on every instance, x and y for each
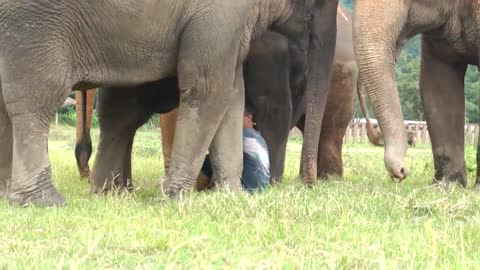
(83, 147)
(374, 136)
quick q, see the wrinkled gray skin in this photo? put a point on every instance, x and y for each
(49, 47)
(121, 111)
(272, 66)
(269, 69)
(451, 42)
(275, 88)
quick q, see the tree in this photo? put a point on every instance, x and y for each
(472, 95)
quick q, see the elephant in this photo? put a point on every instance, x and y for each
(275, 88)
(450, 42)
(118, 126)
(50, 47)
(83, 147)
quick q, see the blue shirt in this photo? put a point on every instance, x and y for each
(256, 163)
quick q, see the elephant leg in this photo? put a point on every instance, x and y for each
(167, 128)
(442, 91)
(30, 112)
(120, 114)
(330, 153)
(6, 144)
(206, 91)
(275, 132)
(267, 75)
(226, 156)
(83, 147)
(337, 116)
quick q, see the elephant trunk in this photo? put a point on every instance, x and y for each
(377, 26)
(321, 50)
(374, 136)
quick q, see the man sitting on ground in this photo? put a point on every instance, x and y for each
(256, 163)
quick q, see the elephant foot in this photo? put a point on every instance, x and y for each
(83, 152)
(41, 193)
(446, 184)
(85, 173)
(115, 188)
(276, 180)
(459, 178)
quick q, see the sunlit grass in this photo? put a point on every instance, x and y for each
(363, 221)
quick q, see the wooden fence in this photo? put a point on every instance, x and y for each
(357, 133)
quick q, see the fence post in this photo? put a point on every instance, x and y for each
(476, 135)
(362, 133)
(355, 132)
(417, 129)
(424, 134)
(348, 132)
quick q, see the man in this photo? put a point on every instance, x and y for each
(256, 163)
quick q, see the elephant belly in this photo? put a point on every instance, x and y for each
(159, 97)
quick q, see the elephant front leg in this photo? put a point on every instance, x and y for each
(6, 142)
(206, 93)
(31, 172)
(442, 91)
(226, 148)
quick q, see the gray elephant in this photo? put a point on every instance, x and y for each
(49, 47)
(275, 87)
(274, 75)
(450, 43)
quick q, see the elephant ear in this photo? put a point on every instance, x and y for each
(321, 49)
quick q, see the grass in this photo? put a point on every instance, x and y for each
(364, 221)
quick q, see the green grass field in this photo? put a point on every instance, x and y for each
(363, 221)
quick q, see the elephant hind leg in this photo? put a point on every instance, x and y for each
(338, 113)
(330, 154)
(167, 128)
(120, 114)
(30, 105)
(442, 91)
(6, 142)
(83, 147)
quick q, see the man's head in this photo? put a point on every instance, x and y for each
(248, 118)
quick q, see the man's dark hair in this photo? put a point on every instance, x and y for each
(249, 110)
